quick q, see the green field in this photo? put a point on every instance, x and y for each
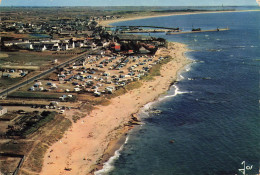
(7, 82)
(30, 58)
(34, 95)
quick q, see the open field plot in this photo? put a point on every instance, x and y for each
(17, 66)
(28, 105)
(34, 95)
(14, 35)
(9, 164)
(6, 82)
(34, 146)
(26, 123)
(26, 58)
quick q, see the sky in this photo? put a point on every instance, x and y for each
(127, 2)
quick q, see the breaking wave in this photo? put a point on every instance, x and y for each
(109, 165)
(176, 92)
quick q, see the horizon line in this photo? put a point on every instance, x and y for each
(126, 6)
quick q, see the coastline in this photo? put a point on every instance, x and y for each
(108, 22)
(94, 139)
(106, 127)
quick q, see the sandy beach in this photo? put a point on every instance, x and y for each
(108, 22)
(82, 147)
(93, 139)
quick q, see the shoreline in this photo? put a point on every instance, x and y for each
(103, 144)
(95, 138)
(108, 23)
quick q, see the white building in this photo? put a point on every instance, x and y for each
(3, 110)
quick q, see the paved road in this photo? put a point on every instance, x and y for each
(6, 91)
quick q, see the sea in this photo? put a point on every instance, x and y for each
(208, 122)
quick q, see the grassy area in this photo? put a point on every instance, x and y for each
(34, 95)
(52, 133)
(7, 82)
(31, 58)
(77, 116)
(39, 124)
(155, 70)
(23, 147)
(90, 99)
(8, 116)
(134, 85)
(57, 131)
(128, 87)
(37, 155)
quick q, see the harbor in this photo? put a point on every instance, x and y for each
(196, 31)
(166, 30)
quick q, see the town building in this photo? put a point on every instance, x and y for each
(3, 110)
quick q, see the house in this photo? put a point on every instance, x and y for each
(64, 46)
(3, 110)
(39, 47)
(79, 44)
(71, 45)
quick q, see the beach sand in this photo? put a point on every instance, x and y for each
(108, 22)
(93, 139)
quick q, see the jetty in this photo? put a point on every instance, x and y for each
(196, 31)
(141, 29)
(166, 30)
(145, 31)
(136, 27)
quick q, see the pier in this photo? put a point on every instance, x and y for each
(196, 31)
(146, 31)
(155, 27)
(167, 30)
(139, 29)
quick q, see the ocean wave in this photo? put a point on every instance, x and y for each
(176, 92)
(145, 110)
(180, 77)
(109, 165)
(187, 68)
(239, 46)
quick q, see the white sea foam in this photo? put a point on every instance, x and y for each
(180, 77)
(176, 92)
(109, 165)
(145, 110)
(239, 46)
(187, 68)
